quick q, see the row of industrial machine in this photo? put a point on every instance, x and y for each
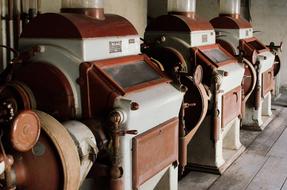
(85, 105)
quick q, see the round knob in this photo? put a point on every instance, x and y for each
(25, 131)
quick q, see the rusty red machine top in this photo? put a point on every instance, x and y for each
(67, 25)
(172, 22)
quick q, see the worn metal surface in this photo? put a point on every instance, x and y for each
(230, 22)
(231, 105)
(48, 82)
(154, 150)
(25, 131)
(65, 148)
(77, 26)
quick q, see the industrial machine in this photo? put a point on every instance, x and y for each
(109, 117)
(184, 43)
(236, 35)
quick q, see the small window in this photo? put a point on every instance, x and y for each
(256, 45)
(128, 75)
(216, 55)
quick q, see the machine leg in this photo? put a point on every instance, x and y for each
(266, 106)
(232, 138)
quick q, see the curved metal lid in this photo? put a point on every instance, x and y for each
(178, 23)
(77, 26)
(230, 22)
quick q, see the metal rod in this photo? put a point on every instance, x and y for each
(39, 6)
(216, 111)
(10, 28)
(116, 171)
(3, 34)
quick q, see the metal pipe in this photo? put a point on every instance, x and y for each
(182, 157)
(17, 22)
(39, 6)
(116, 172)
(91, 8)
(216, 119)
(258, 88)
(230, 7)
(182, 7)
(3, 34)
(10, 28)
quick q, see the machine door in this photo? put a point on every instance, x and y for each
(231, 105)
(154, 150)
(267, 81)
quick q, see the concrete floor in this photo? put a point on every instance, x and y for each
(262, 166)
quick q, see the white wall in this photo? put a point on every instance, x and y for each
(270, 17)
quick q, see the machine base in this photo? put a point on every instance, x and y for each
(266, 120)
(229, 156)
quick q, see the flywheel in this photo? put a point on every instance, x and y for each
(53, 163)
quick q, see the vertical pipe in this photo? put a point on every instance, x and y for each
(258, 88)
(216, 113)
(17, 22)
(10, 28)
(182, 157)
(182, 7)
(39, 6)
(116, 182)
(230, 7)
(3, 33)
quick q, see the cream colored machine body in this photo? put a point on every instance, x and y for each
(236, 35)
(187, 43)
(111, 118)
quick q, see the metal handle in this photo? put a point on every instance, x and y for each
(236, 93)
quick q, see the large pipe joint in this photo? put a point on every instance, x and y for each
(99, 4)
(230, 7)
(183, 6)
(91, 8)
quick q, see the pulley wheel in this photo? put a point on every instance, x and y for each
(249, 80)
(19, 93)
(53, 163)
(198, 74)
(277, 65)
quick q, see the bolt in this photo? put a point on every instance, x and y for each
(115, 117)
(163, 39)
(135, 106)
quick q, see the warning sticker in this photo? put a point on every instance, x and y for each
(115, 46)
(204, 38)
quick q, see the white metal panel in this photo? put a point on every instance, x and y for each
(201, 38)
(110, 47)
(156, 106)
(245, 33)
(266, 61)
(234, 77)
(73, 46)
(91, 49)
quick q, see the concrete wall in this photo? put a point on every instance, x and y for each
(135, 11)
(269, 17)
